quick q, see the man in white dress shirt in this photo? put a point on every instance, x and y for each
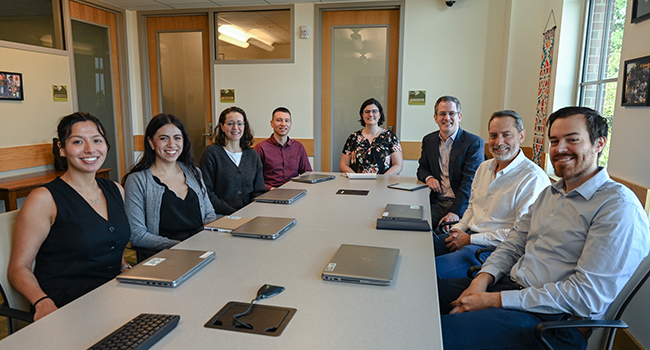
(503, 189)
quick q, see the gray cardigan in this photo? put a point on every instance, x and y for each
(143, 198)
(231, 187)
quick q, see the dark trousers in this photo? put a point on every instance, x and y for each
(497, 328)
(439, 208)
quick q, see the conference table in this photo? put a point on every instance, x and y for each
(330, 315)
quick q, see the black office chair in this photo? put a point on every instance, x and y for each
(14, 306)
(441, 228)
(479, 254)
(605, 330)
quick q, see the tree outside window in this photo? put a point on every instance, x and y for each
(601, 60)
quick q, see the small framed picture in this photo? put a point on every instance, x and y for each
(640, 10)
(636, 79)
(11, 86)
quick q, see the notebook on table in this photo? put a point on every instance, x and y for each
(362, 264)
(265, 227)
(361, 176)
(313, 178)
(226, 223)
(167, 268)
(403, 212)
(281, 196)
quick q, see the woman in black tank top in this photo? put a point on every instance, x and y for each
(74, 227)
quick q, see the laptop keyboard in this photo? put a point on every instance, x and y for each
(141, 332)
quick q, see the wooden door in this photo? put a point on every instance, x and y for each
(180, 24)
(93, 15)
(331, 20)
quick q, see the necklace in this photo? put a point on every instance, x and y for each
(93, 201)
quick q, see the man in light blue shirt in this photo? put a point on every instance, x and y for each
(568, 257)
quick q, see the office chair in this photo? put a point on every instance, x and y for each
(441, 228)
(603, 336)
(481, 255)
(14, 306)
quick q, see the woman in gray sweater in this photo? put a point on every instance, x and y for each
(232, 170)
(165, 198)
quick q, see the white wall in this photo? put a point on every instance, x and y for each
(629, 157)
(33, 120)
(260, 88)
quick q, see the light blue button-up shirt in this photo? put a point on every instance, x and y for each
(573, 252)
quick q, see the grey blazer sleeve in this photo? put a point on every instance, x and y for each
(258, 183)
(137, 199)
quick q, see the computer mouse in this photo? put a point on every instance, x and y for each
(267, 291)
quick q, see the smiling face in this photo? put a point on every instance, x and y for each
(371, 115)
(573, 156)
(85, 148)
(448, 118)
(281, 124)
(233, 126)
(504, 139)
(167, 143)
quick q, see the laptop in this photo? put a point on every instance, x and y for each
(281, 196)
(313, 178)
(168, 268)
(265, 227)
(408, 186)
(362, 264)
(403, 212)
(226, 223)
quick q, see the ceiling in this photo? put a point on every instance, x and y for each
(142, 5)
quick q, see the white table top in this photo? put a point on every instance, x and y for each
(329, 315)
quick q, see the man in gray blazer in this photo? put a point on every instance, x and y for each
(450, 157)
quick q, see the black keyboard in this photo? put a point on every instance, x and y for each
(140, 333)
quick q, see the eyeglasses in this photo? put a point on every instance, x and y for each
(451, 114)
(239, 124)
(371, 111)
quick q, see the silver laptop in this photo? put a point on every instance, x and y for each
(168, 268)
(408, 186)
(313, 178)
(403, 212)
(362, 264)
(281, 196)
(265, 227)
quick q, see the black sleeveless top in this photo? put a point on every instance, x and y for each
(82, 250)
(180, 219)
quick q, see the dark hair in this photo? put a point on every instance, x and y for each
(246, 140)
(368, 102)
(149, 156)
(65, 126)
(519, 123)
(280, 109)
(447, 99)
(596, 124)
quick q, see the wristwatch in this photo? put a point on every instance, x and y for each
(125, 267)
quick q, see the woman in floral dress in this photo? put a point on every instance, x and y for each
(372, 149)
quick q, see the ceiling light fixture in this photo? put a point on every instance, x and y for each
(356, 40)
(233, 35)
(261, 44)
(233, 41)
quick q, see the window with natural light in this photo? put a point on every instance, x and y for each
(602, 58)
